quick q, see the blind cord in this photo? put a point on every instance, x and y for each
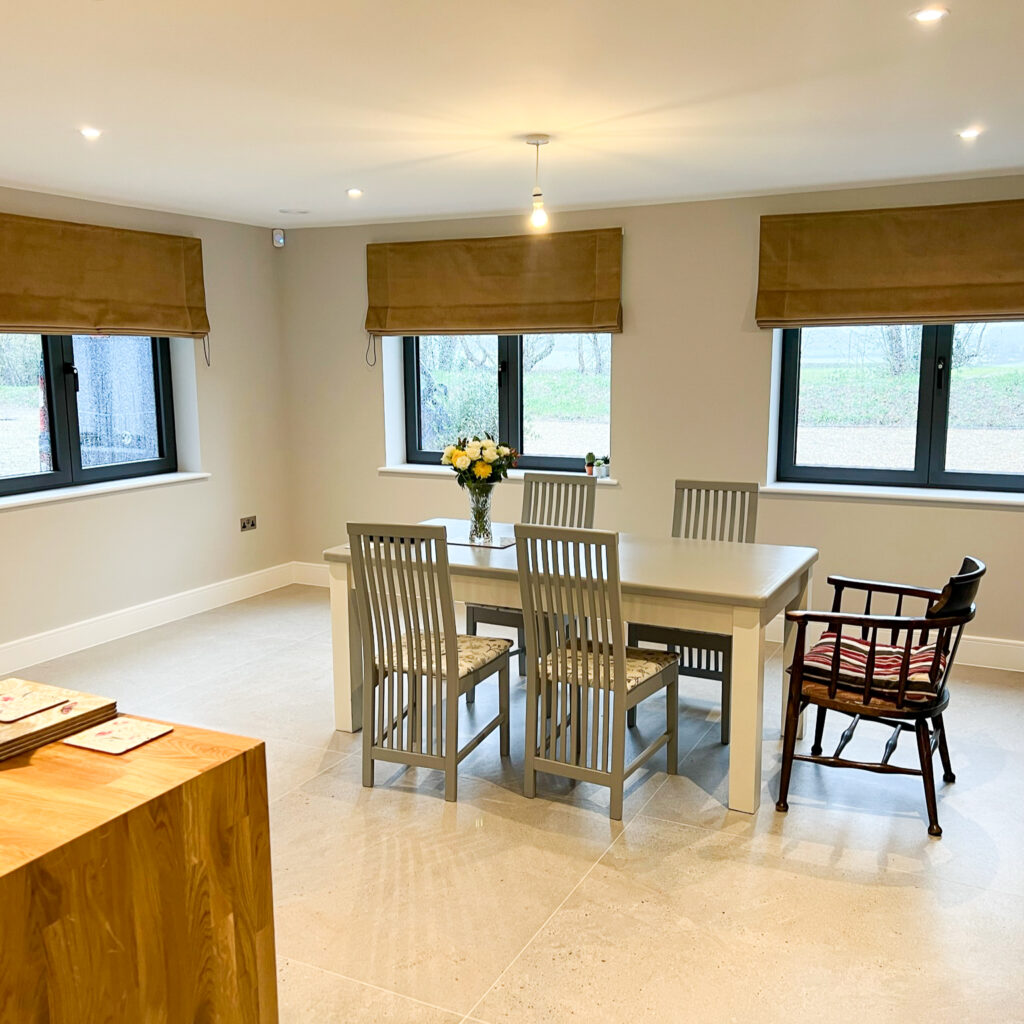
(371, 345)
(206, 348)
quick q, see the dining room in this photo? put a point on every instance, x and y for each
(552, 550)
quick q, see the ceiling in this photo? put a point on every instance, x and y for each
(235, 109)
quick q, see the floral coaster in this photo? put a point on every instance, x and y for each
(118, 736)
(20, 698)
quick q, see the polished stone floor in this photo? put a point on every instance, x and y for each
(393, 906)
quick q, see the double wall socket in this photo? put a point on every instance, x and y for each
(248, 523)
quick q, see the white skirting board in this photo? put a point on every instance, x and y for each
(987, 652)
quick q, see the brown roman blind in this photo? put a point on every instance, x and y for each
(560, 282)
(919, 264)
(58, 277)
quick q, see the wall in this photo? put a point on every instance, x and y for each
(690, 395)
(61, 563)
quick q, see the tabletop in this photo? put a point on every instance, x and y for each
(704, 570)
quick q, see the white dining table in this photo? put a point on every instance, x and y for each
(731, 589)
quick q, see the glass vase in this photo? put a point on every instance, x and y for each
(480, 513)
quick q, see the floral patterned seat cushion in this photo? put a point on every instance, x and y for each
(853, 659)
(474, 653)
(641, 665)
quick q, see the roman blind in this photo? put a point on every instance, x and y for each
(59, 277)
(559, 282)
(919, 264)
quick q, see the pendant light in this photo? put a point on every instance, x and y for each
(539, 216)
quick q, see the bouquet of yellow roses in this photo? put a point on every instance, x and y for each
(479, 460)
(479, 463)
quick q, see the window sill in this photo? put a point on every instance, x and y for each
(416, 469)
(903, 495)
(12, 501)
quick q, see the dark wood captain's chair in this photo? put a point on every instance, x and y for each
(901, 683)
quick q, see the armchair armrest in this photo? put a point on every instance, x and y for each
(848, 582)
(893, 622)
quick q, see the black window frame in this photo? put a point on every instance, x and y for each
(65, 440)
(510, 408)
(932, 422)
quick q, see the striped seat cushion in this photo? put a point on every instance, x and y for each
(853, 661)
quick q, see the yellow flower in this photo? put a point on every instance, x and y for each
(481, 470)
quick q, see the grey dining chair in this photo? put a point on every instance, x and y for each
(415, 666)
(549, 499)
(583, 673)
(705, 511)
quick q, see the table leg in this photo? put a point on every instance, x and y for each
(802, 600)
(747, 710)
(345, 641)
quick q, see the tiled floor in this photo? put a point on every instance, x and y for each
(395, 906)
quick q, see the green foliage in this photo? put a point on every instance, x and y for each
(20, 359)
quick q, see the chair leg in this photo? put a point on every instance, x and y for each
(533, 699)
(924, 748)
(947, 768)
(521, 644)
(503, 704)
(615, 801)
(672, 724)
(471, 631)
(789, 744)
(631, 717)
(369, 728)
(819, 730)
(726, 695)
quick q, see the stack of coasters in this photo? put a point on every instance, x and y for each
(34, 714)
(119, 736)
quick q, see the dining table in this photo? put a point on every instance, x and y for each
(731, 589)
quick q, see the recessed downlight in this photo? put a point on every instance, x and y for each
(353, 193)
(969, 134)
(92, 134)
(293, 212)
(930, 15)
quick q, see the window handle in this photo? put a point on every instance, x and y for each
(73, 370)
(940, 369)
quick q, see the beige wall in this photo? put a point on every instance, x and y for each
(690, 395)
(61, 563)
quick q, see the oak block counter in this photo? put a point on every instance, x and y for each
(136, 888)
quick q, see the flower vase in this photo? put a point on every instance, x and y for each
(480, 513)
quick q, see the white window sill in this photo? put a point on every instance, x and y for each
(416, 469)
(904, 495)
(138, 483)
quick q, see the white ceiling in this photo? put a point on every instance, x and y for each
(236, 108)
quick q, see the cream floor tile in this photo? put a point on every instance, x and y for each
(308, 995)
(678, 923)
(867, 822)
(289, 765)
(396, 887)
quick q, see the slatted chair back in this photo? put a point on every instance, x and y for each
(925, 644)
(576, 653)
(407, 617)
(559, 499)
(715, 511)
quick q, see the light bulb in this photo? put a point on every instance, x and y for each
(969, 134)
(90, 133)
(930, 15)
(539, 217)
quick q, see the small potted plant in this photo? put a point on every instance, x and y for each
(599, 468)
(605, 463)
(589, 460)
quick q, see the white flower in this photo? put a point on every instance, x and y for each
(462, 462)
(446, 457)
(503, 450)
(473, 450)
(490, 455)
(487, 442)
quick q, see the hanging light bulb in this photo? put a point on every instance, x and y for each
(539, 216)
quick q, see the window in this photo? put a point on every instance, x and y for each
(77, 410)
(548, 395)
(932, 406)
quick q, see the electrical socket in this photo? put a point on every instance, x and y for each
(248, 523)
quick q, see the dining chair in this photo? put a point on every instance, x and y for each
(900, 682)
(415, 666)
(549, 499)
(705, 511)
(584, 675)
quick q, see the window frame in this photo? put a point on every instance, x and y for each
(510, 408)
(65, 439)
(932, 426)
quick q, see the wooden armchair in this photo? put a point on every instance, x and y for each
(898, 680)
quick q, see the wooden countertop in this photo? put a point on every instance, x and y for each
(57, 793)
